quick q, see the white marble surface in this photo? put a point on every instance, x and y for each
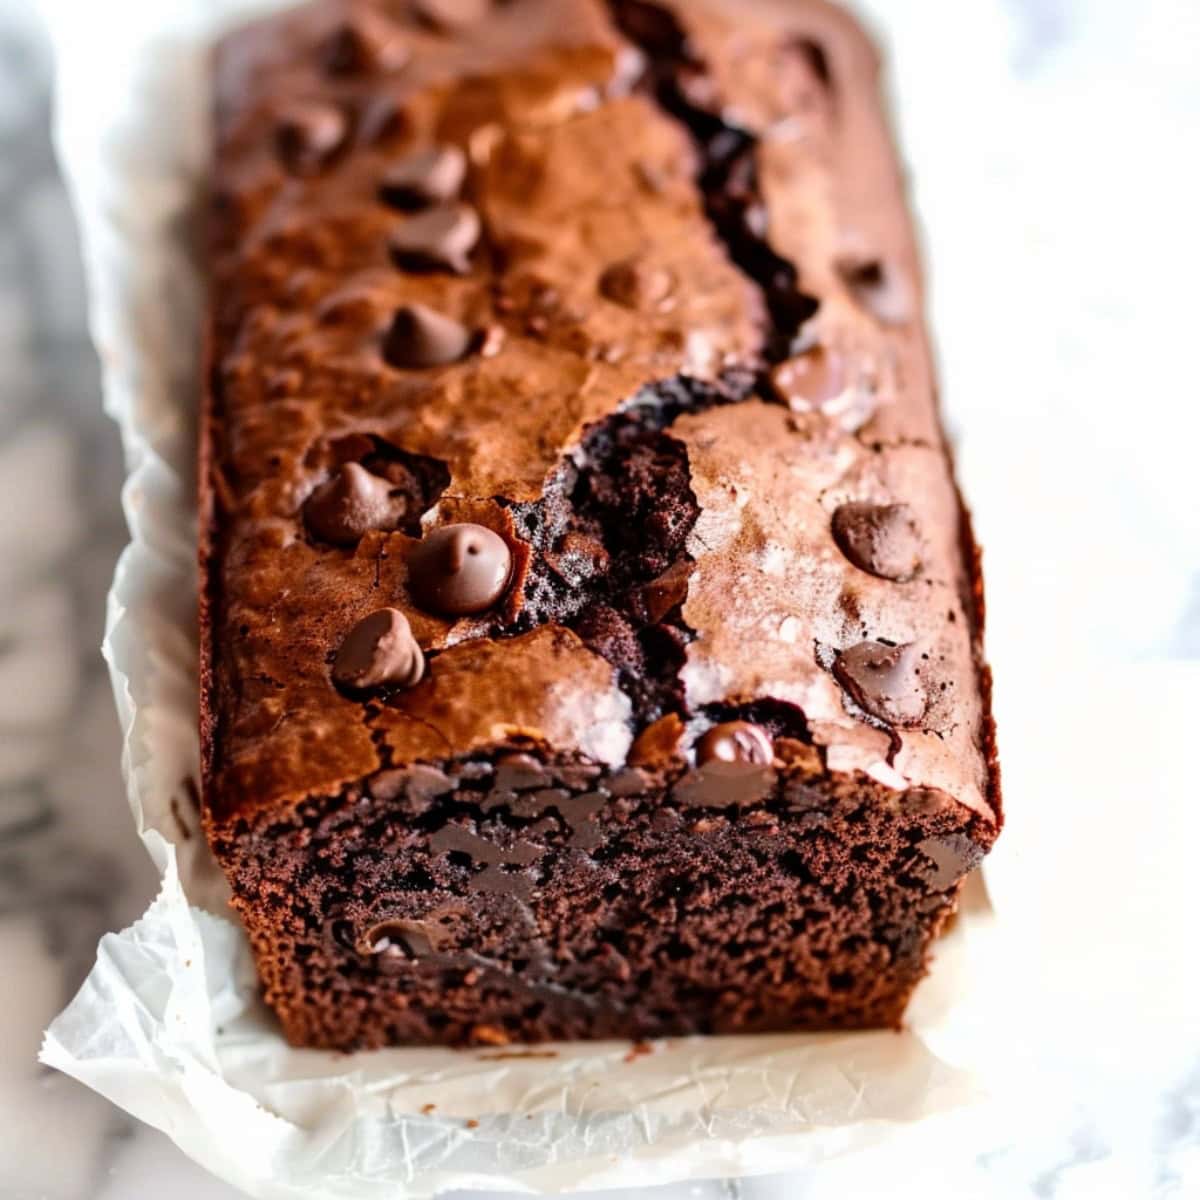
(70, 867)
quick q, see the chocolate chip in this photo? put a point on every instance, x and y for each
(879, 288)
(420, 337)
(379, 650)
(350, 503)
(309, 134)
(809, 381)
(635, 284)
(426, 177)
(441, 237)
(459, 569)
(448, 15)
(884, 680)
(735, 742)
(882, 539)
(366, 41)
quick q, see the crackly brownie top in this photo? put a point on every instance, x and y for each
(570, 391)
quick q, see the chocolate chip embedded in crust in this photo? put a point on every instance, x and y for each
(448, 15)
(882, 539)
(809, 381)
(309, 134)
(366, 41)
(459, 569)
(441, 237)
(884, 680)
(635, 284)
(420, 337)
(880, 288)
(347, 505)
(735, 742)
(426, 177)
(379, 650)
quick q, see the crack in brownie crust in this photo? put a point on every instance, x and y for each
(591, 632)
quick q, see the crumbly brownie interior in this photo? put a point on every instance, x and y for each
(715, 752)
(533, 901)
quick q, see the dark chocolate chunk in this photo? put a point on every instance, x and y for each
(879, 288)
(459, 569)
(736, 742)
(628, 781)
(365, 41)
(439, 238)
(462, 840)
(884, 680)
(449, 15)
(418, 785)
(379, 650)
(882, 539)
(520, 772)
(427, 177)
(420, 337)
(722, 784)
(348, 504)
(309, 134)
(635, 284)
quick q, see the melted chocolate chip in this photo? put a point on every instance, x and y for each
(379, 650)
(884, 681)
(635, 284)
(736, 742)
(439, 238)
(413, 788)
(366, 41)
(427, 177)
(879, 288)
(459, 569)
(309, 134)
(347, 505)
(719, 784)
(420, 337)
(882, 539)
(520, 772)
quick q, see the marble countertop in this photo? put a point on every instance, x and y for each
(70, 867)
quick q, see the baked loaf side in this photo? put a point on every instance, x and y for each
(591, 628)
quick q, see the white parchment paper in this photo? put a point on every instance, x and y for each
(168, 1024)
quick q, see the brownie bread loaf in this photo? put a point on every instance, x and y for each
(591, 628)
